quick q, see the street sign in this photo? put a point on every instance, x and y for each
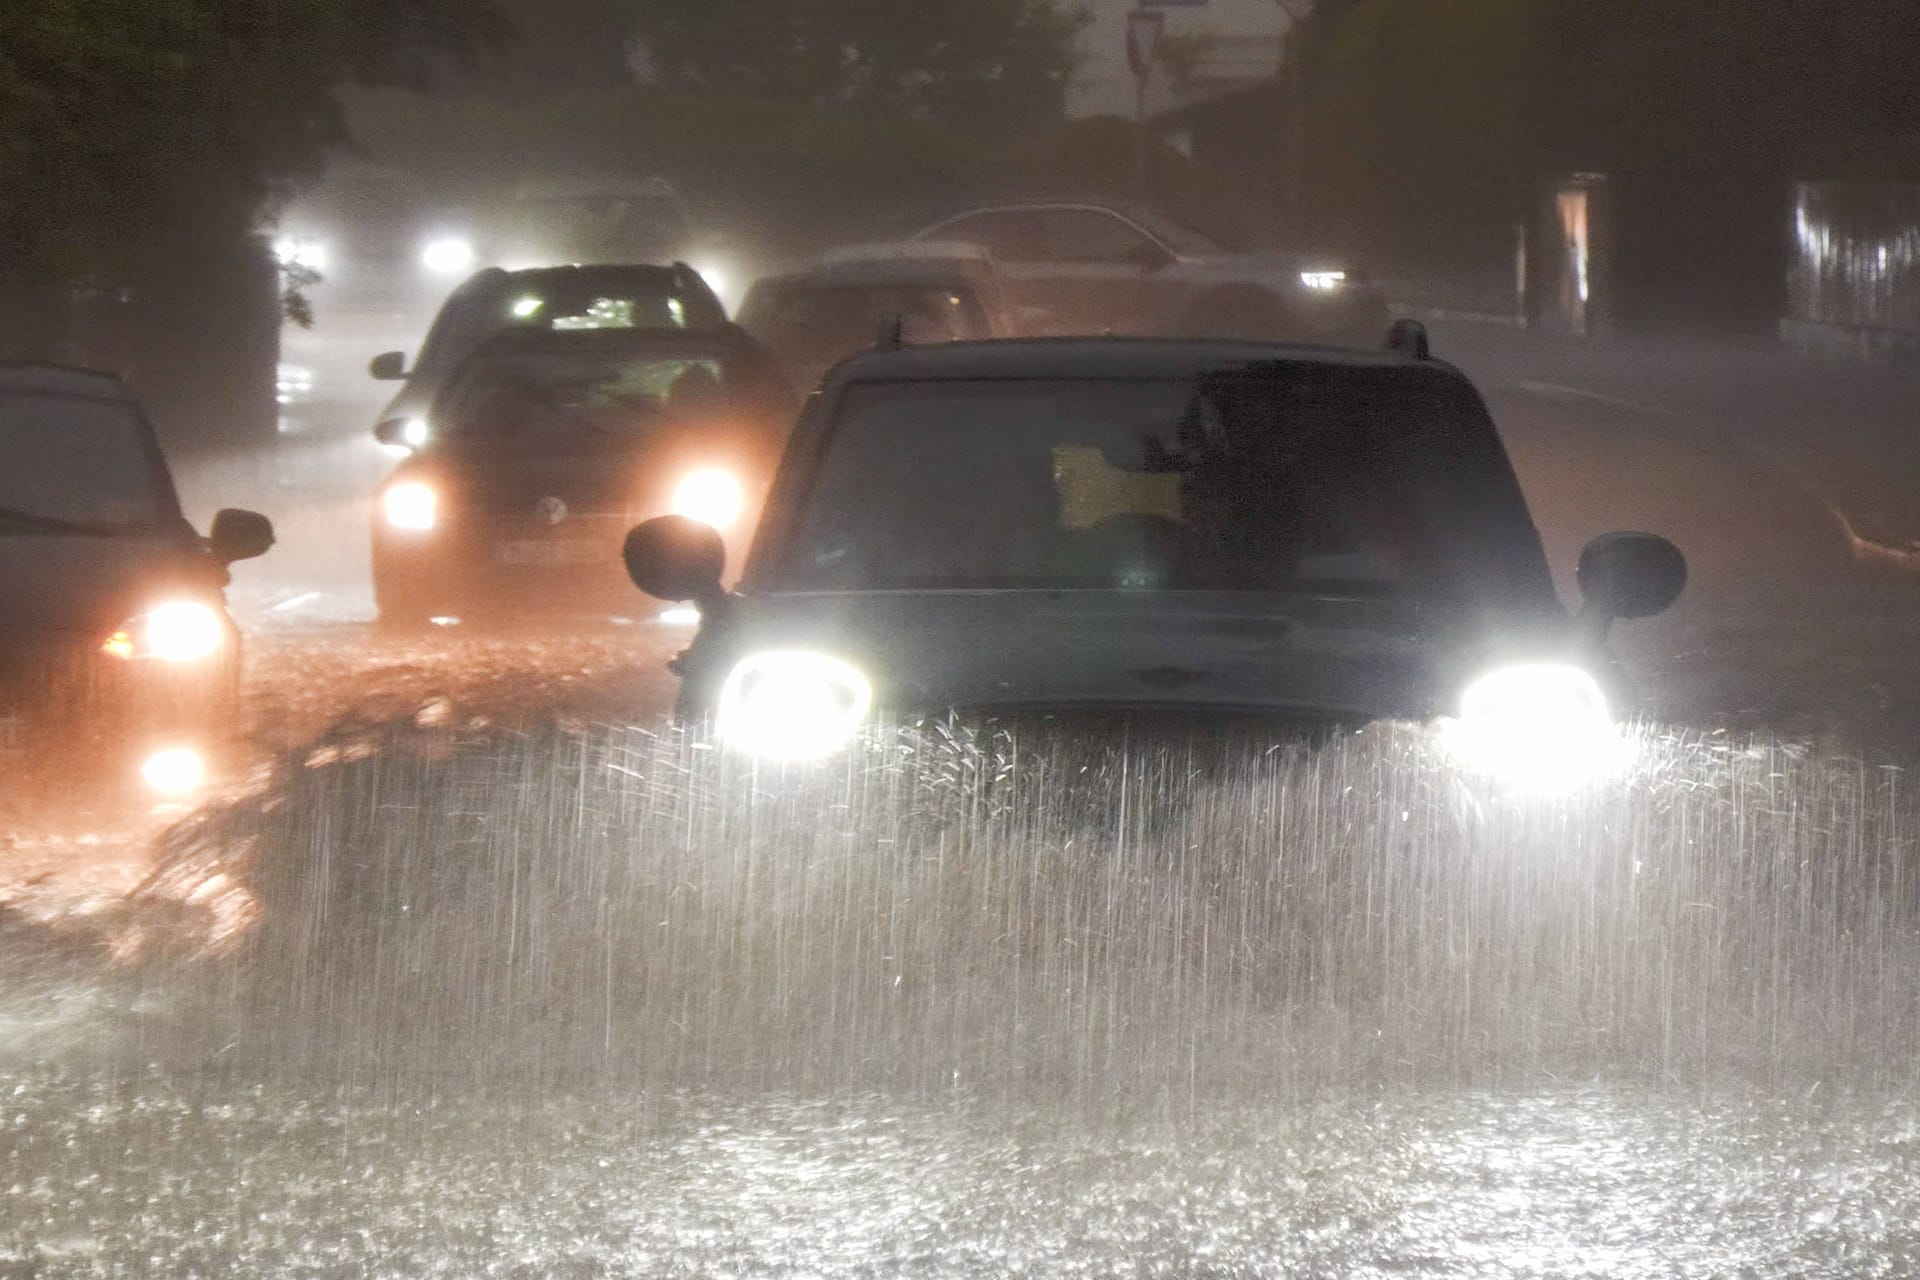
(1144, 27)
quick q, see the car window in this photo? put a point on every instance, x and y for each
(77, 460)
(1010, 235)
(1290, 482)
(555, 394)
(1092, 236)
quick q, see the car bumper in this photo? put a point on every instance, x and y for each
(81, 728)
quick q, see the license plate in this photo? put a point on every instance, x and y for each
(550, 552)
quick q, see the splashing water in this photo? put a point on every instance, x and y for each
(1182, 914)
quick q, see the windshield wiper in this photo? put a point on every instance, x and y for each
(52, 524)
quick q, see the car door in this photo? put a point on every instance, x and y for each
(1027, 279)
(1103, 269)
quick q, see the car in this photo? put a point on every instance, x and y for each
(566, 299)
(1317, 539)
(543, 448)
(119, 663)
(1078, 268)
(813, 319)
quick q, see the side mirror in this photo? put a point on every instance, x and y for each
(677, 559)
(239, 535)
(1630, 575)
(388, 366)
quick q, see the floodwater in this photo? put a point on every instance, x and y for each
(479, 974)
(449, 999)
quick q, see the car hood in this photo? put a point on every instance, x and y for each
(1329, 657)
(52, 585)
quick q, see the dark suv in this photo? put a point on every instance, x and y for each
(119, 664)
(1314, 537)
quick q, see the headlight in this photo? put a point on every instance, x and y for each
(174, 771)
(1540, 726)
(792, 705)
(1323, 281)
(412, 506)
(447, 256)
(711, 496)
(180, 631)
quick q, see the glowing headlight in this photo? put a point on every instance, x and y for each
(1324, 281)
(174, 771)
(792, 705)
(298, 251)
(711, 496)
(180, 631)
(447, 256)
(412, 505)
(1540, 726)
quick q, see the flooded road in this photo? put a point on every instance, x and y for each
(481, 971)
(157, 1178)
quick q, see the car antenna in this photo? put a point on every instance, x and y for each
(892, 335)
(1409, 338)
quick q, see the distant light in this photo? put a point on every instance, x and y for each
(444, 620)
(679, 616)
(710, 495)
(174, 771)
(1324, 281)
(718, 278)
(447, 256)
(527, 308)
(302, 252)
(415, 432)
(412, 506)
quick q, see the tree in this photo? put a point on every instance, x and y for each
(130, 127)
(987, 66)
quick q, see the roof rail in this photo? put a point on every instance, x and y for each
(1409, 338)
(892, 336)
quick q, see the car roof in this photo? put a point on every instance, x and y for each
(664, 278)
(59, 379)
(1125, 359)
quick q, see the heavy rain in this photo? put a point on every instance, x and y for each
(978, 871)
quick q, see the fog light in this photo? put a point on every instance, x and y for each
(1539, 726)
(711, 496)
(174, 771)
(792, 705)
(412, 506)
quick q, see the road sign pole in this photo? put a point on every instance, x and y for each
(1144, 28)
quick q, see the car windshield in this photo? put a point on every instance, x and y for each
(1297, 479)
(74, 460)
(822, 326)
(533, 395)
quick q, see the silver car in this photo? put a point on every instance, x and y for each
(1079, 269)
